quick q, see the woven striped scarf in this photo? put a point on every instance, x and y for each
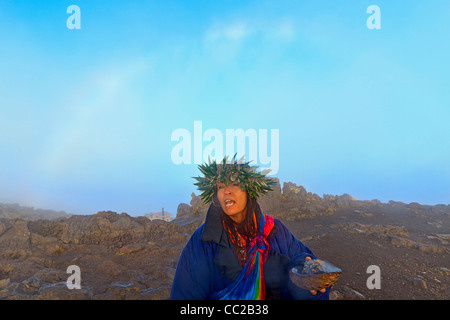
(250, 285)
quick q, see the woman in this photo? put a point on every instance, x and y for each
(239, 252)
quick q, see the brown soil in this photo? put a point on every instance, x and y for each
(416, 268)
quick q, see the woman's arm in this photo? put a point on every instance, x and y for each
(299, 253)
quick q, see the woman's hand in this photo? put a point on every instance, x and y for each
(314, 292)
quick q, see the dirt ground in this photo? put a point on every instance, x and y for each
(414, 261)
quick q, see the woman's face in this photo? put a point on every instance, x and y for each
(232, 200)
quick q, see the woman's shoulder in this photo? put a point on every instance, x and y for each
(280, 226)
(196, 236)
(196, 246)
(282, 234)
(196, 243)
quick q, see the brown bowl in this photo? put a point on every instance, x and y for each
(315, 275)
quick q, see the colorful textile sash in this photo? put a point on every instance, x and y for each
(250, 285)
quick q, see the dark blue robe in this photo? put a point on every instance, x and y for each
(208, 263)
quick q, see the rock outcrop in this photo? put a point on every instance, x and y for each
(118, 255)
(124, 257)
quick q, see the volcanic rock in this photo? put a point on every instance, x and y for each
(124, 257)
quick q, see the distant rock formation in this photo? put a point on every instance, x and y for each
(293, 202)
(13, 211)
(119, 256)
(20, 238)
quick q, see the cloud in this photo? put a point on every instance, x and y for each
(284, 29)
(234, 31)
(225, 40)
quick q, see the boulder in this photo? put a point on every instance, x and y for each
(346, 293)
(270, 202)
(419, 282)
(15, 235)
(60, 291)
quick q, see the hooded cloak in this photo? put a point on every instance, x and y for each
(208, 262)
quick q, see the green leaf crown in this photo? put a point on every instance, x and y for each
(255, 183)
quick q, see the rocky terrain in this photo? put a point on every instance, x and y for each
(14, 211)
(124, 257)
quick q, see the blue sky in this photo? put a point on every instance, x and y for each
(87, 115)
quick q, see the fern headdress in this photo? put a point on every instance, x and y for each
(255, 183)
